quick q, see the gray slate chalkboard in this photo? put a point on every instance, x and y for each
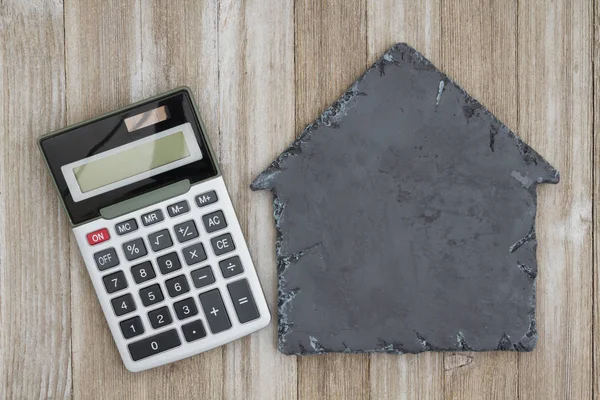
(405, 221)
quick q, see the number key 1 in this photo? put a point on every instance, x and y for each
(132, 327)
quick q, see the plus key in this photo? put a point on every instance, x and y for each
(214, 309)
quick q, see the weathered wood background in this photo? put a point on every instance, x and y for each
(261, 70)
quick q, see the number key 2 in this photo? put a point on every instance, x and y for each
(160, 317)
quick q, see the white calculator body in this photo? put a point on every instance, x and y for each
(157, 230)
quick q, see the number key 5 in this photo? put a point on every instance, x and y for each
(151, 295)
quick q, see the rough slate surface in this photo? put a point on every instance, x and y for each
(405, 219)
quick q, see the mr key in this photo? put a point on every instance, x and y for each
(157, 230)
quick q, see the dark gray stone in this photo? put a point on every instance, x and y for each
(405, 221)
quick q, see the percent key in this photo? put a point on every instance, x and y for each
(134, 249)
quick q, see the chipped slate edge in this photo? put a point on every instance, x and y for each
(398, 53)
(331, 118)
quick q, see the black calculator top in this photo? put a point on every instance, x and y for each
(128, 153)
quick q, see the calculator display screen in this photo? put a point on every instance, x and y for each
(129, 153)
(131, 162)
(134, 161)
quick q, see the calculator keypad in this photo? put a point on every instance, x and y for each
(186, 231)
(143, 272)
(185, 308)
(215, 311)
(202, 277)
(193, 331)
(214, 221)
(194, 254)
(160, 240)
(106, 259)
(115, 282)
(154, 344)
(168, 263)
(151, 295)
(174, 265)
(123, 305)
(134, 249)
(177, 286)
(132, 327)
(160, 317)
(222, 244)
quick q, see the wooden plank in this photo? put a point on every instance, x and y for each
(596, 197)
(330, 55)
(418, 24)
(256, 79)
(555, 117)
(479, 51)
(35, 337)
(179, 44)
(103, 52)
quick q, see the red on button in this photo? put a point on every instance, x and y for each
(98, 236)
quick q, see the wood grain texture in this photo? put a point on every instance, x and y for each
(480, 53)
(596, 197)
(260, 71)
(418, 24)
(177, 39)
(330, 54)
(555, 117)
(35, 315)
(103, 53)
(256, 104)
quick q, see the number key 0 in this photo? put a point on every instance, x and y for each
(154, 344)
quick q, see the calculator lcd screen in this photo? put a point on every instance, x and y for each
(129, 163)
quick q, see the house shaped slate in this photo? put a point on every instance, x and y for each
(405, 220)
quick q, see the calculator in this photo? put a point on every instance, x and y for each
(157, 230)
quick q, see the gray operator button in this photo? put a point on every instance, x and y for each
(106, 259)
(206, 198)
(123, 228)
(178, 208)
(186, 231)
(152, 217)
(160, 240)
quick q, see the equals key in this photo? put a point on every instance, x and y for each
(243, 301)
